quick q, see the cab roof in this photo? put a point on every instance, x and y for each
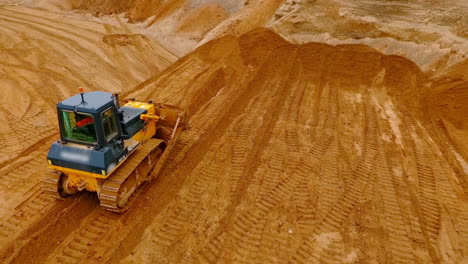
(94, 102)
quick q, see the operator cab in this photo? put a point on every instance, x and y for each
(95, 133)
(89, 119)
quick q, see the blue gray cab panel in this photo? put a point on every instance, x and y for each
(85, 159)
(102, 155)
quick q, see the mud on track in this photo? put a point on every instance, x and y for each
(296, 153)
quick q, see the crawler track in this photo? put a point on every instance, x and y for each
(116, 191)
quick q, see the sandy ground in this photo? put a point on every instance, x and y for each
(298, 152)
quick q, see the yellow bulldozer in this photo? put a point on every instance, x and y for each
(110, 149)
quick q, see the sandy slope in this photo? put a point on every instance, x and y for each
(319, 159)
(302, 153)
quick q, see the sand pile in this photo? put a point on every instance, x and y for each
(305, 151)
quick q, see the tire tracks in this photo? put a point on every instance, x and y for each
(427, 194)
(246, 223)
(351, 196)
(92, 237)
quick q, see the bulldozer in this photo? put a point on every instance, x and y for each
(110, 149)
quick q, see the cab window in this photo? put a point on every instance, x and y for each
(79, 126)
(110, 125)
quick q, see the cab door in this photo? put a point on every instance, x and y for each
(111, 132)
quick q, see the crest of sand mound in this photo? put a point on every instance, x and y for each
(360, 65)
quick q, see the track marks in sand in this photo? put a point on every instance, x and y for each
(306, 161)
(252, 226)
(429, 205)
(89, 239)
(336, 216)
(244, 237)
(206, 178)
(181, 216)
(24, 214)
(450, 150)
(394, 224)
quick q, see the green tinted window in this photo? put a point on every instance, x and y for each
(78, 126)
(110, 125)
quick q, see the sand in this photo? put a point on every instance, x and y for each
(298, 151)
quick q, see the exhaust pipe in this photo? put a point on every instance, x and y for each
(115, 96)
